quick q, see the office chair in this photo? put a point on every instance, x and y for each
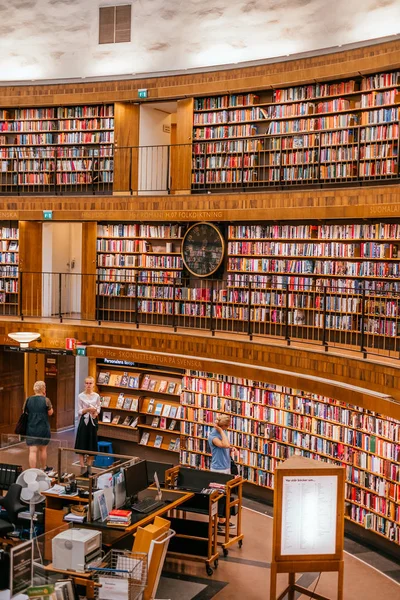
(11, 502)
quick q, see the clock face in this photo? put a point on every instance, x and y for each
(203, 249)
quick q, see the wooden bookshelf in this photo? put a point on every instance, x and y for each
(43, 149)
(137, 265)
(310, 134)
(9, 267)
(128, 392)
(303, 274)
(271, 423)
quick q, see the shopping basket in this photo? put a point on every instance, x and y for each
(120, 574)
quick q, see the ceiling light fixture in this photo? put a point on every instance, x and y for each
(24, 337)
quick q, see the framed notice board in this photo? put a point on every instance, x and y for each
(308, 530)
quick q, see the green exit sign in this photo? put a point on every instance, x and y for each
(142, 93)
(80, 351)
(47, 215)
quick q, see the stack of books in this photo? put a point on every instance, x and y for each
(119, 518)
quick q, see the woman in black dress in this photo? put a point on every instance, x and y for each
(38, 434)
(86, 436)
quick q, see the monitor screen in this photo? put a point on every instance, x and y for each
(136, 478)
(159, 468)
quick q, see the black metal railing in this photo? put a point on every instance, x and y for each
(365, 317)
(311, 159)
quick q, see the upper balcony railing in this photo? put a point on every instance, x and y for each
(206, 165)
(365, 318)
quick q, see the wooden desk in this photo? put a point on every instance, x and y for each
(54, 514)
(111, 536)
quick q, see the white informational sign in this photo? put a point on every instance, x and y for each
(309, 506)
(113, 588)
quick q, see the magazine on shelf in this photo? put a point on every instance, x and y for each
(103, 377)
(166, 410)
(158, 409)
(177, 445)
(146, 382)
(120, 400)
(133, 381)
(134, 423)
(115, 420)
(171, 387)
(127, 421)
(127, 403)
(105, 401)
(172, 445)
(145, 438)
(152, 385)
(124, 380)
(135, 404)
(163, 386)
(158, 441)
(172, 425)
(106, 417)
(163, 423)
(150, 407)
(155, 422)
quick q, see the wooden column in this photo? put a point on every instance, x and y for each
(126, 159)
(34, 371)
(59, 376)
(11, 389)
(30, 265)
(181, 154)
(88, 291)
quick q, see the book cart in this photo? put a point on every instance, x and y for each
(308, 529)
(197, 540)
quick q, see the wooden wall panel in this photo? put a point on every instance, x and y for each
(372, 202)
(126, 132)
(30, 264)
(336, 65)
(11, 389)
(88, 296)
(181, 154)
(306, 369)
(60, 388)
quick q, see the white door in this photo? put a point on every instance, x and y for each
(62, 259)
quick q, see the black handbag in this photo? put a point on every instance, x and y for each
(21, 426)
(234, 468)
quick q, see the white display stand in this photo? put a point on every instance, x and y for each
(308, 533)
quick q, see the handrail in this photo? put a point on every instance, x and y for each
(321, 311)
(265, 161)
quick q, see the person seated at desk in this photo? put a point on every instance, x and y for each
(220, 452)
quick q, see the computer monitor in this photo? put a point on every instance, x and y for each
(159, 468)
(136, 478)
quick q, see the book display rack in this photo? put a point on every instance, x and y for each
(310, 134)
(43, 149)
(137, 265)
(9, 261)
(271, 423)
(140, 405)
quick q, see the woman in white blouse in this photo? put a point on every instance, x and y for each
(88, 410)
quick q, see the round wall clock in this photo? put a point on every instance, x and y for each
(203, 249)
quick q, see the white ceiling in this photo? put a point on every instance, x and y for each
(58, 39)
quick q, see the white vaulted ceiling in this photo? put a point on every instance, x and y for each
(58, 39)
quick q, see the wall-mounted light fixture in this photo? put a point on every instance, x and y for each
(24, 337)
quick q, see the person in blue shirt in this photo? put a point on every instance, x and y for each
(220, 446)
(220, 453)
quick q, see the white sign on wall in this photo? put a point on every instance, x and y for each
(309, 506)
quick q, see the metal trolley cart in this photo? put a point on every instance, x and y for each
(120, 573)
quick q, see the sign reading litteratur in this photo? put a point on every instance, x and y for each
(309, 507)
